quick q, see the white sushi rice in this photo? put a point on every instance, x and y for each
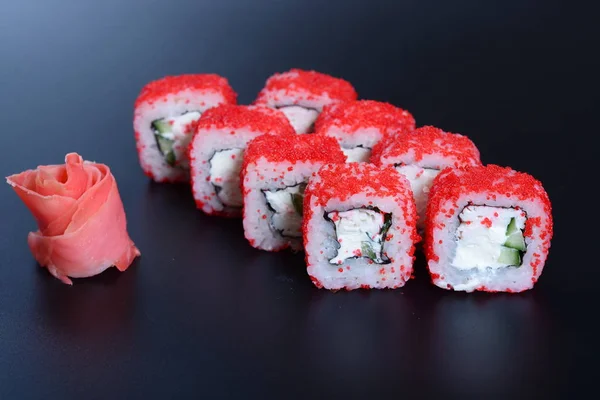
(321, 246)
(302, 119)
(445, 246)
(260, 228)
(225, 167)
(357, 145)
(357, 154)
(217, 158)
(420, 180)
(173, 105)
(420, 173)
(300, 107)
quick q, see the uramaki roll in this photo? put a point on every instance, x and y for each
(359, 227)
(217, 153)
(359, 125)
(274, 176)
(301, 95)
(165, 115)
(421, 155)
(488, 228)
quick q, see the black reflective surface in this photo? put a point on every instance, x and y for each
(202, 314)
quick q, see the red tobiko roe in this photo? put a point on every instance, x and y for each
(491, 179)
(294, 148)
(256, 118)
(342, 181)
(355, 115)
(313, 82)
(158, 89)
(428, 140)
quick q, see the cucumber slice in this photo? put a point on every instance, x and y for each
(510, 256)
(165, 145)
(297, 200)
(516, 241)
(514, 235)
(512, 227)
(387, 223)
(161, 126)
(166, 148)
(367, 251)
(170, 158)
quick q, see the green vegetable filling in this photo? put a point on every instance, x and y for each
(514, 246)
(510, 256)
(298, 199)
(161, 127)
(366, 249)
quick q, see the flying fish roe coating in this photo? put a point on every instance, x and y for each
(424, 141)
(342, 181)
(293, 149)
(256, 118)
(313, 83)
(491, 179)
(356, 115)
(160, 88)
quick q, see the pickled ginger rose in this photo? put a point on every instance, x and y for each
(81, 222)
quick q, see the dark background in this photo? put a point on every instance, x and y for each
(202, 314)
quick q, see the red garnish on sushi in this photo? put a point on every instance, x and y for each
(491, 179)
(428, 140)
(365, 178)
(314, 84)
(297, 148)
(255, 118)
(172, 84)
(356, 115)
(80, 217)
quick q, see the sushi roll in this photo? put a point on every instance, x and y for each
(488, 228)
(421, 156)
(360, 125)
(359, 228)
(217, 152)
(301, 95)
(165, 115)
(274, 176)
